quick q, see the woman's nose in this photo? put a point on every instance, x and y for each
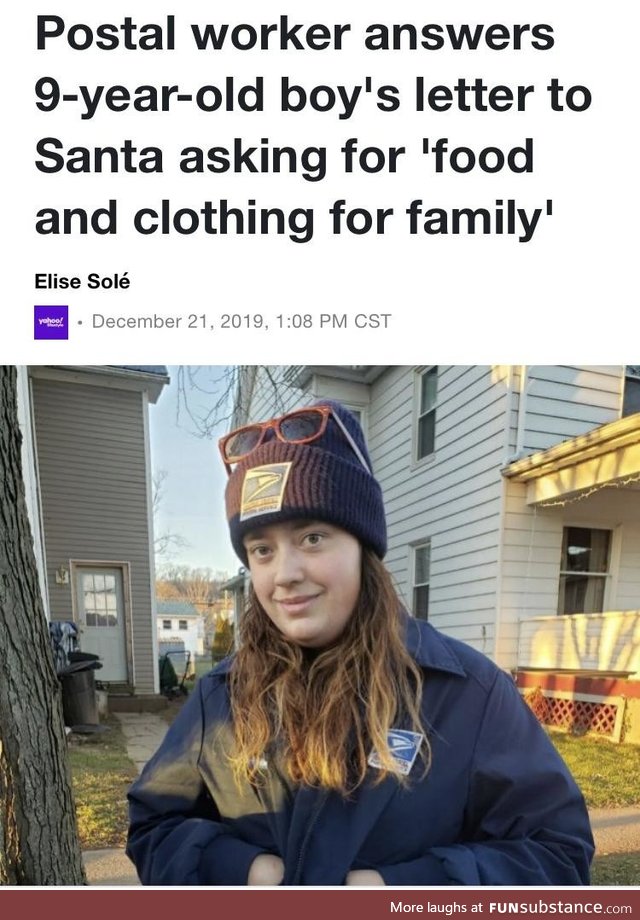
(289, 568)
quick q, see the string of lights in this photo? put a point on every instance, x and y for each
(581, 497)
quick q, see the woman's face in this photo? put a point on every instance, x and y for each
(306, 575)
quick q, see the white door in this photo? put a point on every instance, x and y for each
(101, 618)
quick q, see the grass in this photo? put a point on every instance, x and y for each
(616, 869)
(101, 773)
(606, 773)
(203, 666)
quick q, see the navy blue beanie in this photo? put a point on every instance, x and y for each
(323, 480)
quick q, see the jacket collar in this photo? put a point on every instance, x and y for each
(430, 649)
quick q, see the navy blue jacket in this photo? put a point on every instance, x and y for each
(497, 807)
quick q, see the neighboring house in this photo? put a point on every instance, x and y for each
(180, 625)
(87, 473)
(513, 508)
(235, 588)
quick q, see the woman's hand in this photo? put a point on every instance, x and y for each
(266, 869)
(364, 877)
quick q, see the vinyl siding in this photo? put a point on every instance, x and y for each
(532, 540)
(451, 497)
(91, 460)
(273, 395)
(565, 401)
(531, 568)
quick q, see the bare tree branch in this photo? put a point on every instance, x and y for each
(166, 541)
(234, 388)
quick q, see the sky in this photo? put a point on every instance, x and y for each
(192, 503)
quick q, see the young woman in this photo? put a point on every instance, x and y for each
(345, 743)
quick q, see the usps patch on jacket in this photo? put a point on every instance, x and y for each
(404, 747)
(263, 489)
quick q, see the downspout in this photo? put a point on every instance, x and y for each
(522, 410)
(148, 475)
(509, 399)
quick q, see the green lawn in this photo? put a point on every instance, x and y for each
(608, 774)
(616, 869)
(101, 774)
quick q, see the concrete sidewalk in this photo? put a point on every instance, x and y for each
(616, 830)
(144, 732)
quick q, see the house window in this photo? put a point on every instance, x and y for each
(421, 577)
(427, 394)
(182, 624)
(631, 396)
(166, 624)
(583, 570)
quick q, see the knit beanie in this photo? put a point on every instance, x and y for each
(323, 480)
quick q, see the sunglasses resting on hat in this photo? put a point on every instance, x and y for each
(300, 427)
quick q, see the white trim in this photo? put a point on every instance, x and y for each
(152, 559)
(418, 374)
(498, 623)
(31, 478)
(104, 376)
(620, 702)
(414, 546)
(621, 393)
(607, 595)
(615, 553)
(125, 569)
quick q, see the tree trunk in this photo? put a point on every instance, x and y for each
(38, 836)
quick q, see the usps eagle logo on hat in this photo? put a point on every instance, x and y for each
(263, 489)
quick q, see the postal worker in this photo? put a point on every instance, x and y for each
(345, 742)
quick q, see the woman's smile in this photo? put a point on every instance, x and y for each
(298, 604)
(306, 575)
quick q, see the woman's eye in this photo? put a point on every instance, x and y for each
(313, 539)
(259, 552)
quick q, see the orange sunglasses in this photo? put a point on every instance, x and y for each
(300, 427)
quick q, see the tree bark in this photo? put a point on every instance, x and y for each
(38, 836)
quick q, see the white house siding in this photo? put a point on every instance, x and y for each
(451, 498)
(192, 636)
(532, 543)
(268, 400)
(91, 457)
(273, 393)
(627, 595)
(565, 401)
(531, 568)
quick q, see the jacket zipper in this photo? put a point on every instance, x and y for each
(305, 843)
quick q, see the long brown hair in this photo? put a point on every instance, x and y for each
(328, 711)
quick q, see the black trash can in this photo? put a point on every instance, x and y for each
(79, 700)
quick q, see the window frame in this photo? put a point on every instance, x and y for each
(419, 415)
(631, 372)
(164, 624)
(183, 625)
(415, 548)
(609, 577)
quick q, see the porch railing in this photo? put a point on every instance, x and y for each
(602, 642)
